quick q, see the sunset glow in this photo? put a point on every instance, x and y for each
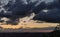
(29, 24)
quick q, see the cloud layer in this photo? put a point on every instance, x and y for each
(15, 9)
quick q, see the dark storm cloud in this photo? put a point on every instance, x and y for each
(22, 7)
(16, 9)
(53, 15)
(54, 4)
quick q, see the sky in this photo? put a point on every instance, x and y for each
(22, 8)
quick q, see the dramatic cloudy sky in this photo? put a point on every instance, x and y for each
(21, 8)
